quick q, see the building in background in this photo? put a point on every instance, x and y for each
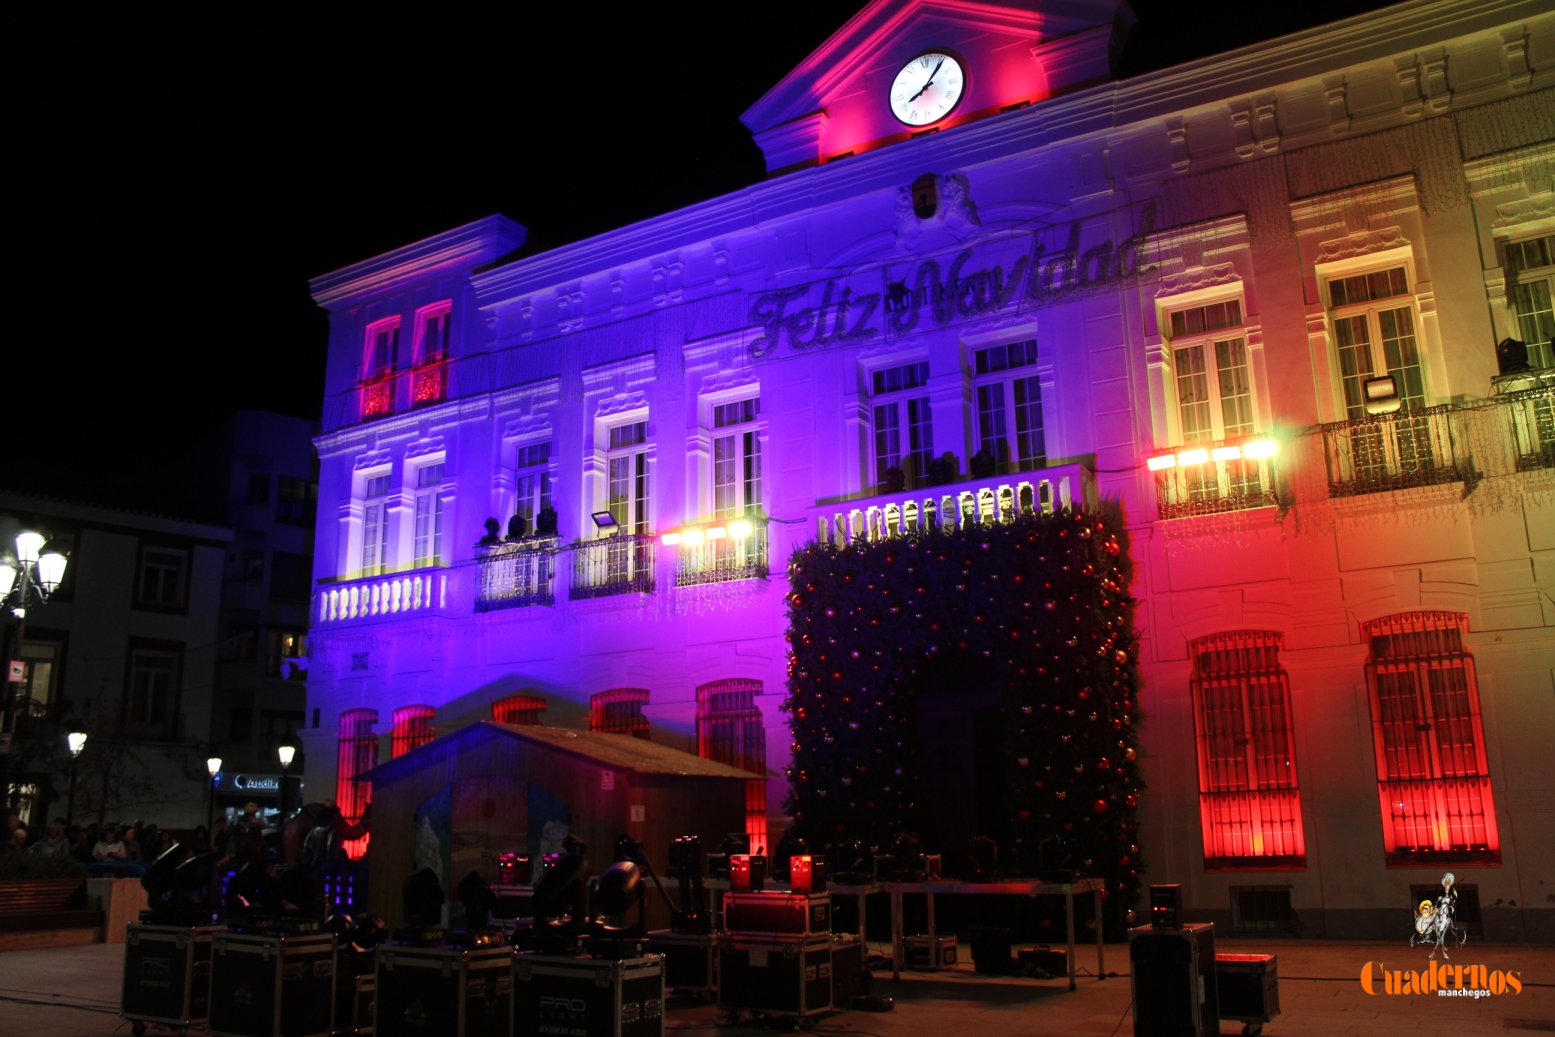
(258, 475)
(125, 651)
(985, 278)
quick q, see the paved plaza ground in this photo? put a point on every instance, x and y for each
(74, 992)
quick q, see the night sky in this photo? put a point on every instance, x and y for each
(183, 175)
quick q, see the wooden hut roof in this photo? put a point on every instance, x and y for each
(611, 751)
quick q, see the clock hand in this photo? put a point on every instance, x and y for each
(929, 83)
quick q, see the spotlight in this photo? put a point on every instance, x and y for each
(605, 522)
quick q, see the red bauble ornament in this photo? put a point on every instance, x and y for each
(1100, 806)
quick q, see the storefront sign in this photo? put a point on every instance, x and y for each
(256, 783)
(987, 278)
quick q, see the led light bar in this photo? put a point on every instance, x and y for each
(1160, 461)
(1198, 456)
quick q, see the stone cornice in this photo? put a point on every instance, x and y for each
(483, 241)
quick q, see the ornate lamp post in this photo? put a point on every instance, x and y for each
(213, 767)
(26, 580)
(77, 742)
(287, 752)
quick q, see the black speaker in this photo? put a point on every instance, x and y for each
(1174, 981)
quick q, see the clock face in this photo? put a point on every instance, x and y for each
(927, 89)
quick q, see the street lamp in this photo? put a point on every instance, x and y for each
(213, 766)
(25, 580)
(286, 751)
(77, 741)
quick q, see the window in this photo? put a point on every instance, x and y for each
(381, 359)
(1530, 269)
(283, 649)
(428, 547)
(294, 500)
(1211, 389)
(383, 349)
(522, 710)
(151, 697)
(1249, 802)
(736, 458)
(1374, 333)
(532, 482)
(358, 754)
(412, 730)
(44, 658)
(1432, 780)
(904, 434)
(436, 325)
(620, 711)
(730, 730)
(626, 470)
(375, 525)
(1009, 406)
(162, 580)
(430, 380)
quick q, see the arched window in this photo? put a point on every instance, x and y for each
(520, 710)
(619, 711)
(730, 730)
(1432, 781)
(1249, 803)
(358, 755)
(412, 729)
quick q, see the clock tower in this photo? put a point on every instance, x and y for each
(899, 69)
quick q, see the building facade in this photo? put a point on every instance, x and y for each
(1269, 304)
(125, 651)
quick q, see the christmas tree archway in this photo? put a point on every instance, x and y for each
(1025, 627)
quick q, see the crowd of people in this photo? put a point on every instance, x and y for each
(125, 848)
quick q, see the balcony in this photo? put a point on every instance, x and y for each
(420, 591)
(517, 575)
(1392, 452)
(725, 558)
(1211, 478)
(1528, 402)
(998, 498)
(391, 392)
(619, 564)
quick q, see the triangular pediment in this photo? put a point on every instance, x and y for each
(835, 102)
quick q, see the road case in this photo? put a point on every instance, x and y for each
(690, 961)
(272, 985)
(440, 991)
(800, 914)
(561, 996)
(926, 956)
(1174, 981)
(1247, 989)
(167, 974)
(775, 975)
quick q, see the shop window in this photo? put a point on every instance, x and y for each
(1249, 800)
(1433, 782)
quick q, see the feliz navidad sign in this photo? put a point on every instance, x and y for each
(984, 279)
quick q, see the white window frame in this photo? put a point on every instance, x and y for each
(381, 349)
(441, 336)
(1530, 330)
(1207, 344)
(168, 588)
(634, 512)
(736, 480)
(1035, 371)
(139, 714)
(427, 539)
(1374, 315)
(906, 442)
(377, 499)
(534, 480)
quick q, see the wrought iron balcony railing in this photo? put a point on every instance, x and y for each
(618, 564)
(1392, 452)
(1214, 485)
(392, 392)
(517, 575)
(725, 559)
(1528, 401)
